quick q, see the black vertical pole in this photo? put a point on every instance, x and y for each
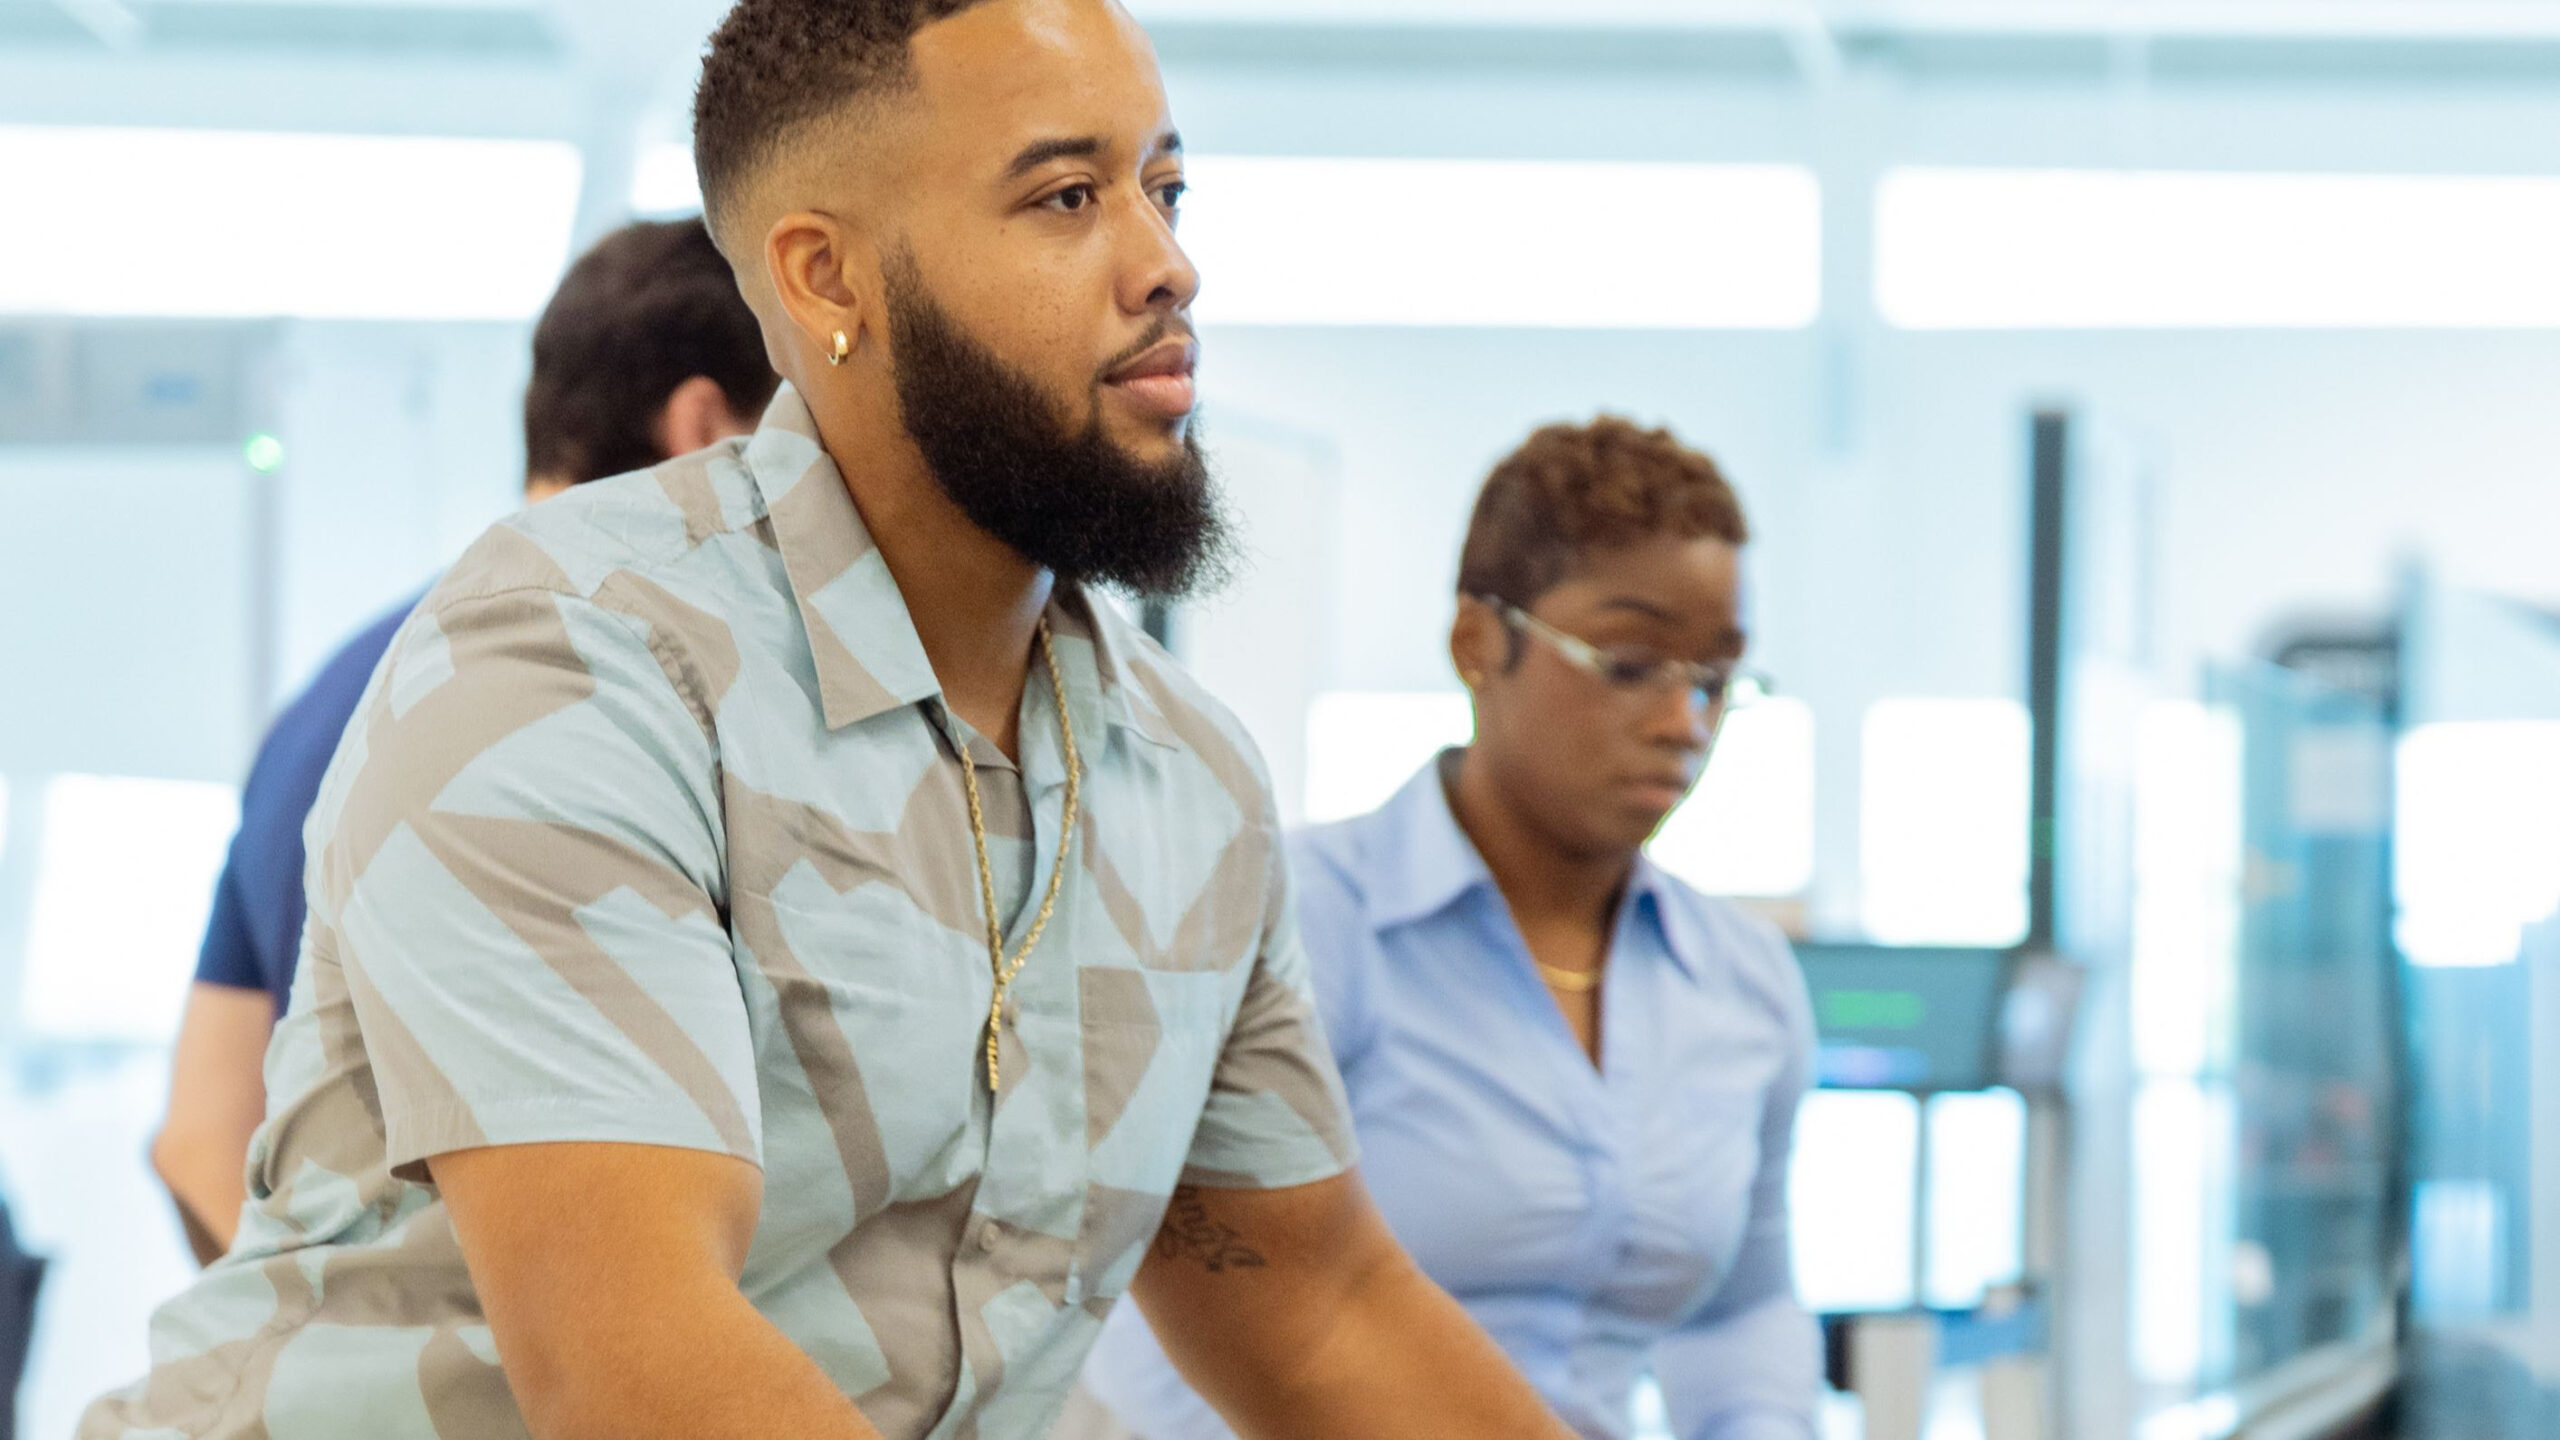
(2049, 476)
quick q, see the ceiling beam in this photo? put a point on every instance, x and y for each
(1816, 51)
(2209, 19)
(2450, 20)
(112, 21)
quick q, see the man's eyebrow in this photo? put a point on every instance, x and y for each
(1041, 152)
(1169, 143)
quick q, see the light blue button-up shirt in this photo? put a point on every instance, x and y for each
(651, 829)
(1598, 1222)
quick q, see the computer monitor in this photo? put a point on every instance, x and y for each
(1903, 1018)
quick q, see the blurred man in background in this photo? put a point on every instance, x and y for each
(646, 352)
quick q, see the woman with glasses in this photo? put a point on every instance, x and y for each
(1574, 1078)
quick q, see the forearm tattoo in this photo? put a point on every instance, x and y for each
(1190, 1232)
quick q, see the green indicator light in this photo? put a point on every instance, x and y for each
(265, 454)
(1873, 1010)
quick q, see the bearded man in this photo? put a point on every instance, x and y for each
(783, 959)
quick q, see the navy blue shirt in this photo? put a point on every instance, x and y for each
(256, 931)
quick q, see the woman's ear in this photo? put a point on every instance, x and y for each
(1478, 643)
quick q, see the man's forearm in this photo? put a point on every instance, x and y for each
(721, 1373)
(609, 1275)
(1298, 1316)
(1404, 1359)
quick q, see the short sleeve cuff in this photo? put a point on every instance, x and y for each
(414, 1137)
(1259, 1141)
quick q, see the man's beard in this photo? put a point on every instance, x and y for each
(1072, 502)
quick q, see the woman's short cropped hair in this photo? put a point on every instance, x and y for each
(1573, 490)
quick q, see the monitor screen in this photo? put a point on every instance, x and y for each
(1899, 1018)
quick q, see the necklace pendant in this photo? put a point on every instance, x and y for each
(1004, 971)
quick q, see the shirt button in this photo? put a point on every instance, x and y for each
(988, 1239)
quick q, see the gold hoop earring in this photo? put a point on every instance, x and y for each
(843, 350)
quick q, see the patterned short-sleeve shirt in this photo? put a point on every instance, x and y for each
(651, 829)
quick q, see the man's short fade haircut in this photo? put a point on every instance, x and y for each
(1574, 490)
(776, 67)
(651, 306)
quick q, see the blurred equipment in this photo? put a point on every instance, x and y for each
(1897, 1018)
(2478, 882)
(21, 1277)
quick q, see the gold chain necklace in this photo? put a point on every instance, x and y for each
(1004, 972)
(1572, 982)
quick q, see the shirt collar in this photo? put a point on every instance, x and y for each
(861, 635)
(1423, 863)
(1651, 890)
(1119, 693)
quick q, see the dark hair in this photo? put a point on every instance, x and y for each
(776, 66)
(1572, 489)
(651, 306)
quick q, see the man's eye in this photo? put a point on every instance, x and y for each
(1071, 199)
(1171, 195)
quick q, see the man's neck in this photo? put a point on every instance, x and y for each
(1544, 883)
(975, 602)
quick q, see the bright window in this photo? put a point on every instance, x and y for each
(124, 881)
(1977, 1196)
(2182, 1131)
(1748, 828)
(2478, 847)
(1542, 244)
(1943, 822)
(1852, 1191)
(2187, 887)
(2024, 249)
(1362, 746)
(229, 224)
(663, 181)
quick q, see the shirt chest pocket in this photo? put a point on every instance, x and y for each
(1151, 1045)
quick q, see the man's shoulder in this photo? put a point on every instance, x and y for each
(649, 524)
(1333, 856)
(314, 719)
(1173, 707)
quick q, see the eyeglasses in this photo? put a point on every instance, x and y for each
(1717, 686)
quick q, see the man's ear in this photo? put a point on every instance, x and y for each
(822, 275)
(696, 416)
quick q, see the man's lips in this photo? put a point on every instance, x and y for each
(1159, 381)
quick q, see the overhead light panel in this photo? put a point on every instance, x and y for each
(1535, 244)
(1470, 244)
(2092, 249)
(226, 224)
